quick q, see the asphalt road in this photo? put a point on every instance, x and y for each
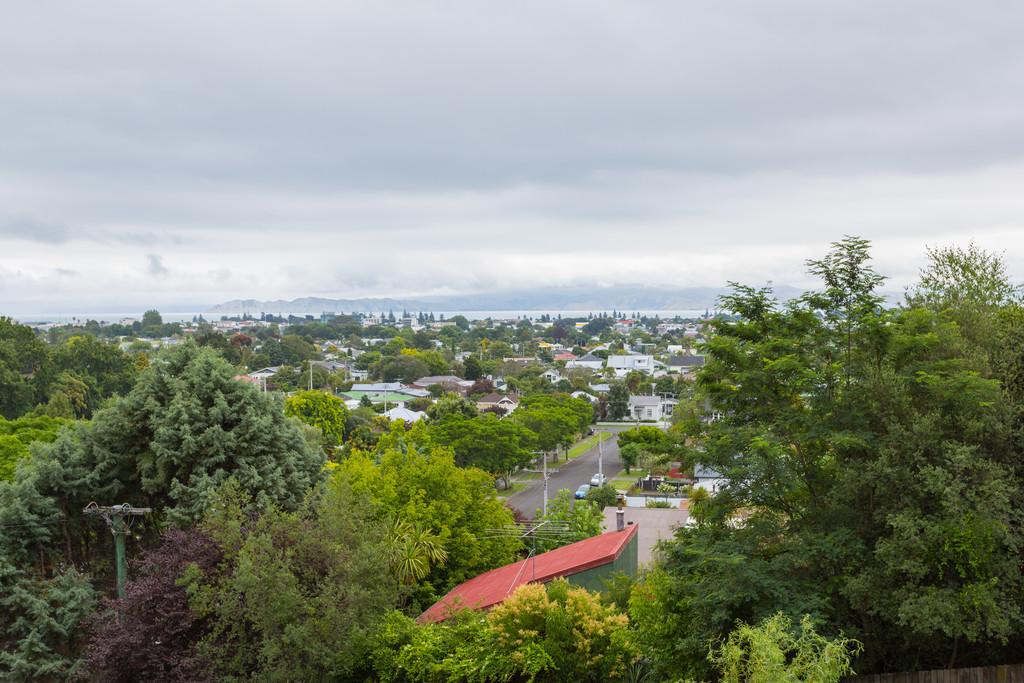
(571, 474)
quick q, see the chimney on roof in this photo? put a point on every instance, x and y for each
(620, 513)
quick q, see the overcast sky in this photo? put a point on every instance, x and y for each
(154, 154)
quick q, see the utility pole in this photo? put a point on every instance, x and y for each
(116, 517)
(545, 507)
(600, 453)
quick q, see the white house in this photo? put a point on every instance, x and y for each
(589, 361)
(264, 373)
(404, 414)
(641, 362)
(650, 407)
(707, 479)
(552, 376)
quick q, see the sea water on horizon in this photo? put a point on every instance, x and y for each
(177, 317)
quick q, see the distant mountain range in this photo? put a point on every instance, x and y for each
(593, 300)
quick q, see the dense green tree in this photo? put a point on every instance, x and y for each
(554, 425)
(629, 453)
(473, 368)
(324, 411)
(647, 437)
(299, 592)
(871, 455)
(41, 623)
(186, 427)
(419, 482)
(17, 436)
(603, 496)
(103, 369)
(287, 379)
(582, 639)
(500, 447)
(771, 653)
(25, 369)
(278, 353)
(555, 632)
(451, 404)
(437, 364)
(580, 519)
(618, 400)
(401, 368)
(460, 321)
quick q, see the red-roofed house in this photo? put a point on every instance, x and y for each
(583, 563)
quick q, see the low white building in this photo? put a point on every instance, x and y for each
(589, 361)
(404, 414)
(650, 407)
(642, 362)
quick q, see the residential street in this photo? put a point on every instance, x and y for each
(571, 474)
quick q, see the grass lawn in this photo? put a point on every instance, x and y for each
(588, 443)
(624, 481)
(526, 476)
(516, 487)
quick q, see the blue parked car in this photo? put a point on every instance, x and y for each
(581, 492)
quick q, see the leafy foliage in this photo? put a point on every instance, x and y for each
(603, 496)
(299, 593)
(151, 634)
(17, 435)
(496, 446)
(40, 623)
(584, 519)
(540, 633)
(25, 369)
(409, 477)
(870, 468)
(102, 370)
(322, 410)
(771, 653)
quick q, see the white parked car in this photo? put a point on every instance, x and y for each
(598, 480)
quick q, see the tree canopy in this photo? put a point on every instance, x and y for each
(870, 455)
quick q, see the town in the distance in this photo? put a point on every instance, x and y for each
(783, 489)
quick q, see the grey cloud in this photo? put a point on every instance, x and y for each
(337, 146)
(155, 265)
(30, 228)
(457, 99)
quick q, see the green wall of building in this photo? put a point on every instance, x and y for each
(627, 563)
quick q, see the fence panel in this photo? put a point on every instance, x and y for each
(1005, 673)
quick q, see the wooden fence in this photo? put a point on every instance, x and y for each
(1007, 673)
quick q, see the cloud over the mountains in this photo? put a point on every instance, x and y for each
(346, 150)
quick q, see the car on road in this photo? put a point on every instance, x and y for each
(581, 492)
(598, 480)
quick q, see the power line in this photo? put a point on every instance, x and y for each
(62, 520)
(38, 523)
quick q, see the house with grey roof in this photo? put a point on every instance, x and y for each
(589, 361)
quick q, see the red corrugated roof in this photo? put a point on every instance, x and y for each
(491, 588)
